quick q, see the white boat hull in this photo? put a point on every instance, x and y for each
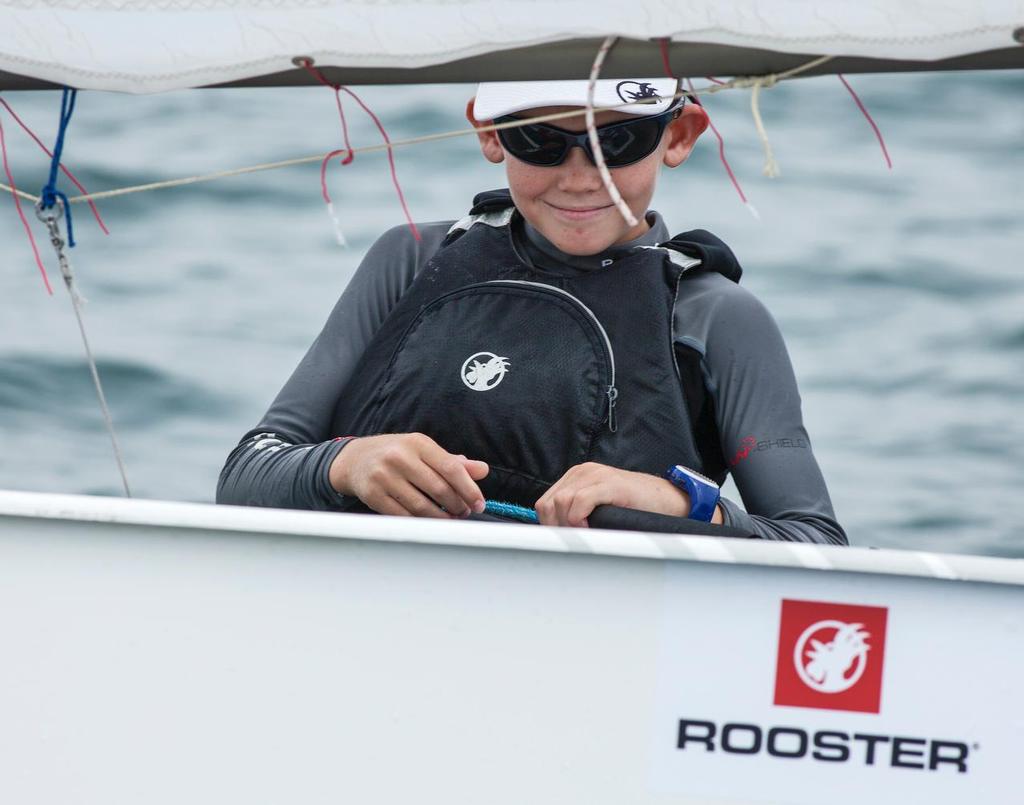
(159, 652)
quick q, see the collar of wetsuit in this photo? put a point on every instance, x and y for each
(544, 254)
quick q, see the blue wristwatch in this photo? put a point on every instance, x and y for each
(703, 492)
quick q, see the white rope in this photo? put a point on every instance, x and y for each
(595, 142)
(744, 82)
(20, 193)
(76, 303)
(771, 167)
(51, 218)
(736, 83)
(287, 163)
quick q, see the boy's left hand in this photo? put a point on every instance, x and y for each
(573, 497)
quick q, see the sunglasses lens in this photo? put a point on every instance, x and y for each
(537, 145)
(629, 142)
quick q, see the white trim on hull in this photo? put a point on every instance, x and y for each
(124, 513)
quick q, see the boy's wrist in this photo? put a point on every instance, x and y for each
(677, 502)
(337, 474)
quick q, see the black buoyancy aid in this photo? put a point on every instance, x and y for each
(529, 372)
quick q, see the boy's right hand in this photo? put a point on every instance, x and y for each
(408, 474)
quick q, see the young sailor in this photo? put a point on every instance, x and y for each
(543, 351)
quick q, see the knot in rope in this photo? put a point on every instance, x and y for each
(747, 82)
(50, 195)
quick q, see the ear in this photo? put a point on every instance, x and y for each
(489, 143)
(682, 134)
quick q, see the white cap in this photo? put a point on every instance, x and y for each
(498, 98)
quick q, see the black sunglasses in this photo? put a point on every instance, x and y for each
(622, 143)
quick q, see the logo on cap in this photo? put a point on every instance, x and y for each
(830, 656)
(483, 371)
(633, 91)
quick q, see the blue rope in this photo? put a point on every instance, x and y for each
(500, 509)
(50, 193)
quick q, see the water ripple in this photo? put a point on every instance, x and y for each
(42, 389)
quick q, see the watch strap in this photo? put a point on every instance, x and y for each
(703, 492)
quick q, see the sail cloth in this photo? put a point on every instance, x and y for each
(143, 46)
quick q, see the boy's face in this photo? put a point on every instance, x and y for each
(568, 203)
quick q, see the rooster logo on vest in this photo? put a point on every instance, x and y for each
(484, 370)
(831, 666)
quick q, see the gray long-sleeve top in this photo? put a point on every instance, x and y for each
(285, 460)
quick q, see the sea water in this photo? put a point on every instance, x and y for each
(900, 292)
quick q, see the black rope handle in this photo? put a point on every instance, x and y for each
(620, 519)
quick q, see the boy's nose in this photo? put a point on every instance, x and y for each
(578, 173)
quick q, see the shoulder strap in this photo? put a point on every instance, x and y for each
(492, 208)
(491, 201)
(711, 251)
(675, 256)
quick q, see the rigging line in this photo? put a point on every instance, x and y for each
(307, 64)
(287, 163)
(51, 218)
(49, 153)
(725, 161)
(339, 235)
(85, 197)
(769, 79)
(15, 193)
(871, 120)
(667, 64)
(49, 195)
(794, 71)
(596, 153)
(19, 193)
(771, 167)
(391, 161)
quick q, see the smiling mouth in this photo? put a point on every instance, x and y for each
(578, 213)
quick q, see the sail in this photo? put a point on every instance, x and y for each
(143, 46)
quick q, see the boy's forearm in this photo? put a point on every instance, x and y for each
(814, 528)
(763, 438)
(294, 473)
(267, 470)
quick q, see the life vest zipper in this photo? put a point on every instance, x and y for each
(611, 393)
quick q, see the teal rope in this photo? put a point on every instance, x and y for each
(511, 510)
